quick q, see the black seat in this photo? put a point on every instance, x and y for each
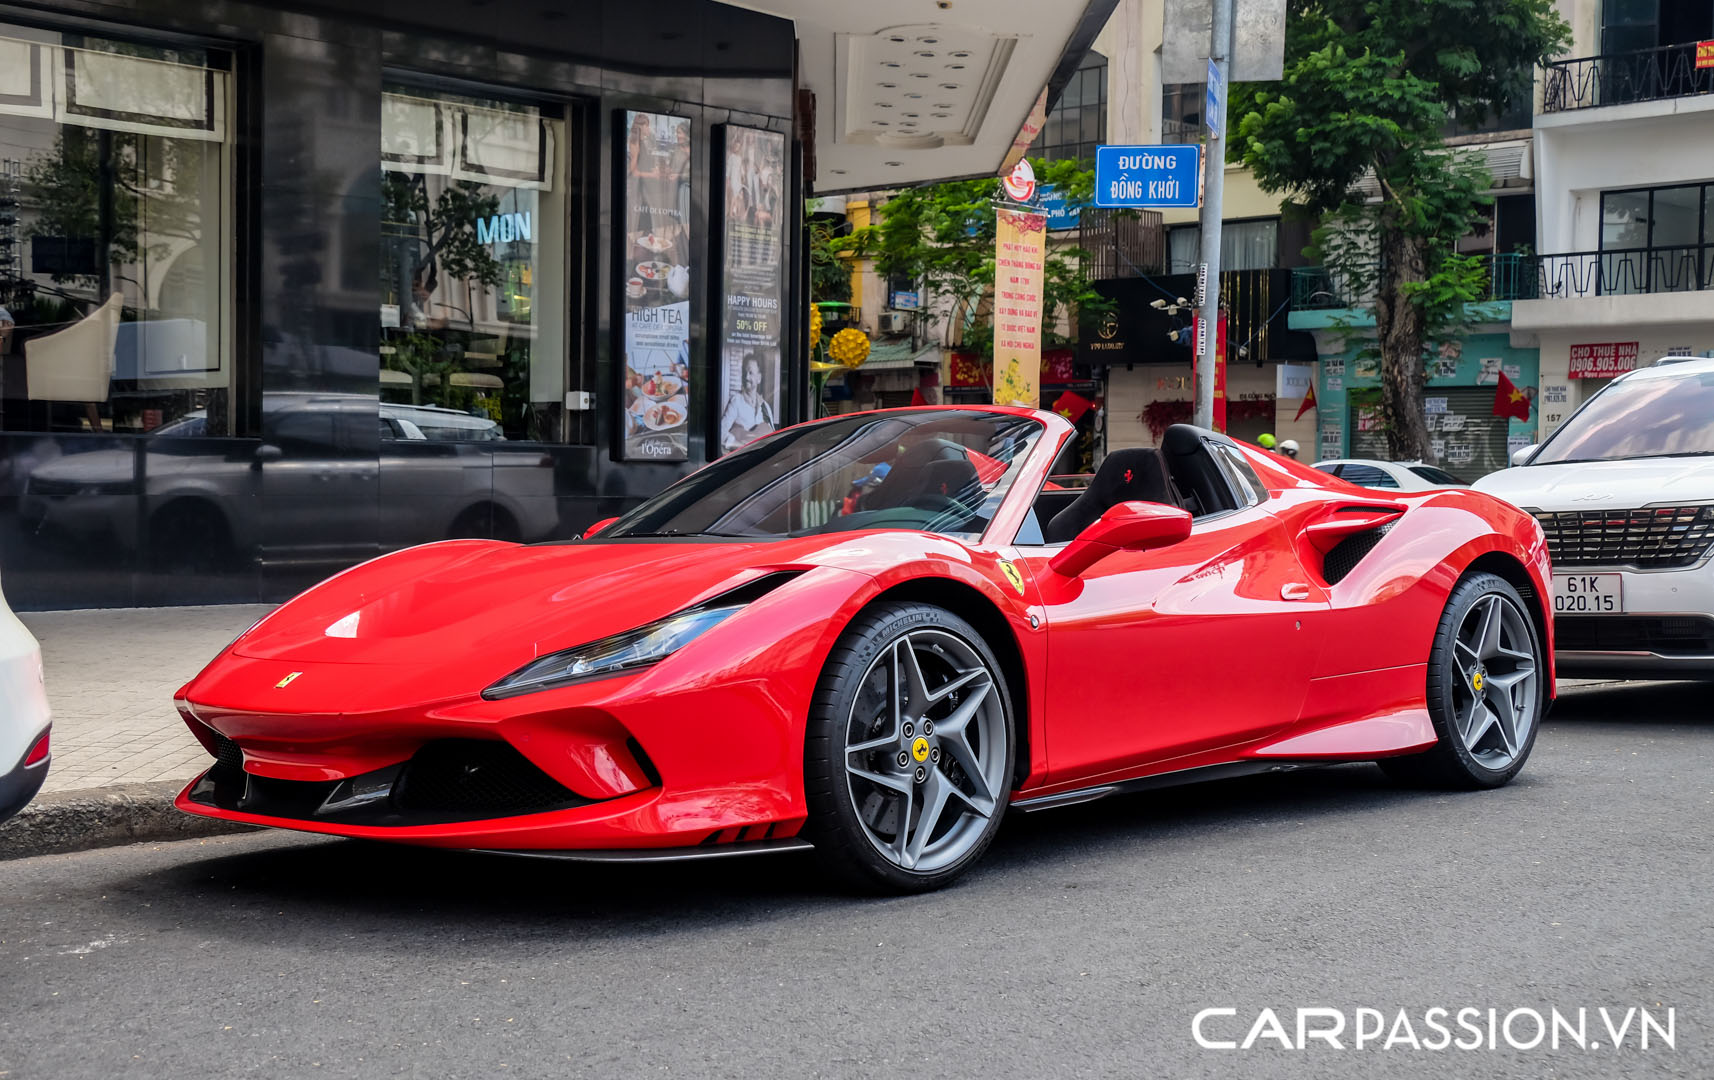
(1137, 475)
(953, 479)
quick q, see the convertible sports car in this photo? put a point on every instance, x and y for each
(796, 647)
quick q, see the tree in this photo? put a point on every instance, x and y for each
(1370, 85)
(941, 236)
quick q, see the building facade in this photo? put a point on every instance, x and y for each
(289, 286)
(1624, 160)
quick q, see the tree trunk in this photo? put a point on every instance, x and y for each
(1399, 332)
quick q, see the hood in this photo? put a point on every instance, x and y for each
(504, 604)
(1604, 485)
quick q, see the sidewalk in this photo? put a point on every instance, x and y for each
(120, 751)
(111, 674)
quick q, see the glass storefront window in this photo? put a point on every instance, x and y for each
(115, 235)
(473, 286)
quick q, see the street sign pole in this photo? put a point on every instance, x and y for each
(1213, 192)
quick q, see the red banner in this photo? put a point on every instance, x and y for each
(1705, 54)
(1219, 369)
(1056, 366)
(968, 369)
(1603, 361)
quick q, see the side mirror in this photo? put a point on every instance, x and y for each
(1524, 453)
(598, 526)
(268, 452)
(1129, 526)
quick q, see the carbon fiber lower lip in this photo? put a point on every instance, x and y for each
(662, 855)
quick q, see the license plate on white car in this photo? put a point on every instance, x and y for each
(1588, 594)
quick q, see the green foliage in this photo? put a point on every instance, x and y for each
(829, 275)
(1369, 87)
(941, 236)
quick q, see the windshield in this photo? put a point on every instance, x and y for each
(941, 471)
(1637, 418)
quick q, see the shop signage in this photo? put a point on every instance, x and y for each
(504, 229)
(1020, 250)
(655, 272)
(751, 286)
(1292, 381)
(1148, 176)
(1057, 367)
(906, 301)
(1603, 361)
(967, 369)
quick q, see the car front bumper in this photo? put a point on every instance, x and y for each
(1665, 632)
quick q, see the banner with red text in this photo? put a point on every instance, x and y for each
(1020, 249)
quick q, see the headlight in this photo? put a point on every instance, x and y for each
(612, 655)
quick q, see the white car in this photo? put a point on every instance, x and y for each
(1624, 491)
(1400, 475)
(23, 715)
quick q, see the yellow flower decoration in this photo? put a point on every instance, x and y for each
(814, 326)
(849, 347)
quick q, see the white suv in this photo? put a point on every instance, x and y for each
(1624, 491)
(23, 715)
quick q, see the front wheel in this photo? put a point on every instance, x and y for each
(1486, 689)
(908, 759)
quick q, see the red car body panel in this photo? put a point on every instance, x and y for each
(1227, 647)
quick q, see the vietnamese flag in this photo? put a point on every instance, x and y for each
(1510, 401)
(1071, 405)
(1308, 404)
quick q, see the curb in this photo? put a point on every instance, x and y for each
(86, 818)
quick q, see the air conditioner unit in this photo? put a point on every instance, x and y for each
(895, 322)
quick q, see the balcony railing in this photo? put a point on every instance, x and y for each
(1621, 78)
(1626, 271)
(1321, 288)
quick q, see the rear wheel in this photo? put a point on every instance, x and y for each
(1486, 690)
(908, 758)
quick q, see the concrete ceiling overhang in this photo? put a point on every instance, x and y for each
(910, 91)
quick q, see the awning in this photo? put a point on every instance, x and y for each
(907, 91)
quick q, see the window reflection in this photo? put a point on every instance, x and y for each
(473, 335)
(114, 234)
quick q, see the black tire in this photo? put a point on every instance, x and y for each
(1450, 763)
(843, 843)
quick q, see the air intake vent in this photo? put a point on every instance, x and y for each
(1350, 551)
(477, 778)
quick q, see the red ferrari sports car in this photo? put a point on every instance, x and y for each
(872, 634)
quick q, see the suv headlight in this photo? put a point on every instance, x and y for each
(613, 655)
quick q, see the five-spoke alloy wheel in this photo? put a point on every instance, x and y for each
(909, 757)
(1486, 689)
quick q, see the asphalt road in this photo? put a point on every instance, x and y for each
(1083, 946)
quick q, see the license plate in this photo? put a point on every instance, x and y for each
(1588, 594)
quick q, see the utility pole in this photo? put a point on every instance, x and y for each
(1213, 195)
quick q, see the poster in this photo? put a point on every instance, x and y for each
(655, 286)
(1020, 248)
(752, 330)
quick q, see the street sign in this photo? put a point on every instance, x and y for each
(1061, 213)
(1216, 101)
(1147, 176)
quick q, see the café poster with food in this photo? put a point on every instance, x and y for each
(655, 281)
(751, 288)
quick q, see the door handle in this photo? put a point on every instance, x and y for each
(1294, 590)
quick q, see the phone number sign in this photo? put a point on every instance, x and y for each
(1605, 360)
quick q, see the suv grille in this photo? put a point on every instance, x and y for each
(1657, 537)
(1664, 634)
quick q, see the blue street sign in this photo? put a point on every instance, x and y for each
(1060, 213)
(1216, 104)
(1148, 176)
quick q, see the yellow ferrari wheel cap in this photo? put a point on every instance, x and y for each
(919, 749)
(1477, 681)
